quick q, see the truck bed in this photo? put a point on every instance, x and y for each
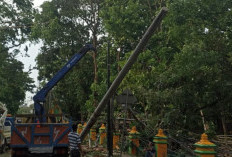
(40, 138)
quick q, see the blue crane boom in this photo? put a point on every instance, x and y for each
(39, 98)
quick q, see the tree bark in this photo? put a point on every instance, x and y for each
(118, 59)
(205, 125)
(223, 123)
(95, 21)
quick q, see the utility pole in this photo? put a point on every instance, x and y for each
(109, 107)
(139, 48)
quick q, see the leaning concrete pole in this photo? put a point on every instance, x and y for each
(156, 22)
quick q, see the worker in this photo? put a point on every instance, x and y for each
(74, 142)
(150, 150)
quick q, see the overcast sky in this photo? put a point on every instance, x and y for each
(37, 3)
(29, 62)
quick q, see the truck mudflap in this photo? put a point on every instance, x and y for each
(40, 138)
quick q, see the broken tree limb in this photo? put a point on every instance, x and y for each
(134, 116)
(141, 45)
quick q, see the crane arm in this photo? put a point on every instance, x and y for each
(40, 97)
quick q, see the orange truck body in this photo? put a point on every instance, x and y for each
(35, 138)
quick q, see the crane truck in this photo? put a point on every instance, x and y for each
(40, 133)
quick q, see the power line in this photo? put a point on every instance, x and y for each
(10, 27)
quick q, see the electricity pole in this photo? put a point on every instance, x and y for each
(109, 108)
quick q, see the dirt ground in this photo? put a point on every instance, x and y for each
(88, 154)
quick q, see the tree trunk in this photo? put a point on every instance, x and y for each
(206, 126)
(95, 69)
(118, 59)
(223, 123)
(95, 57)
(95, 21)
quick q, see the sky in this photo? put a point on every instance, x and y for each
(37, 3)
(29, 62)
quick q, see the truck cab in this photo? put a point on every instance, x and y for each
(7, 129)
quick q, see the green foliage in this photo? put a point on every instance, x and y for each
(64, 28)
(184, 69)
(126, 21)
(15, 21)
(197, 76)
(25, 109)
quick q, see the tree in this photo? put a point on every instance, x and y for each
(186, 67)
(202, 43)
(183, 73)
(65, 27)
(15, 22)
